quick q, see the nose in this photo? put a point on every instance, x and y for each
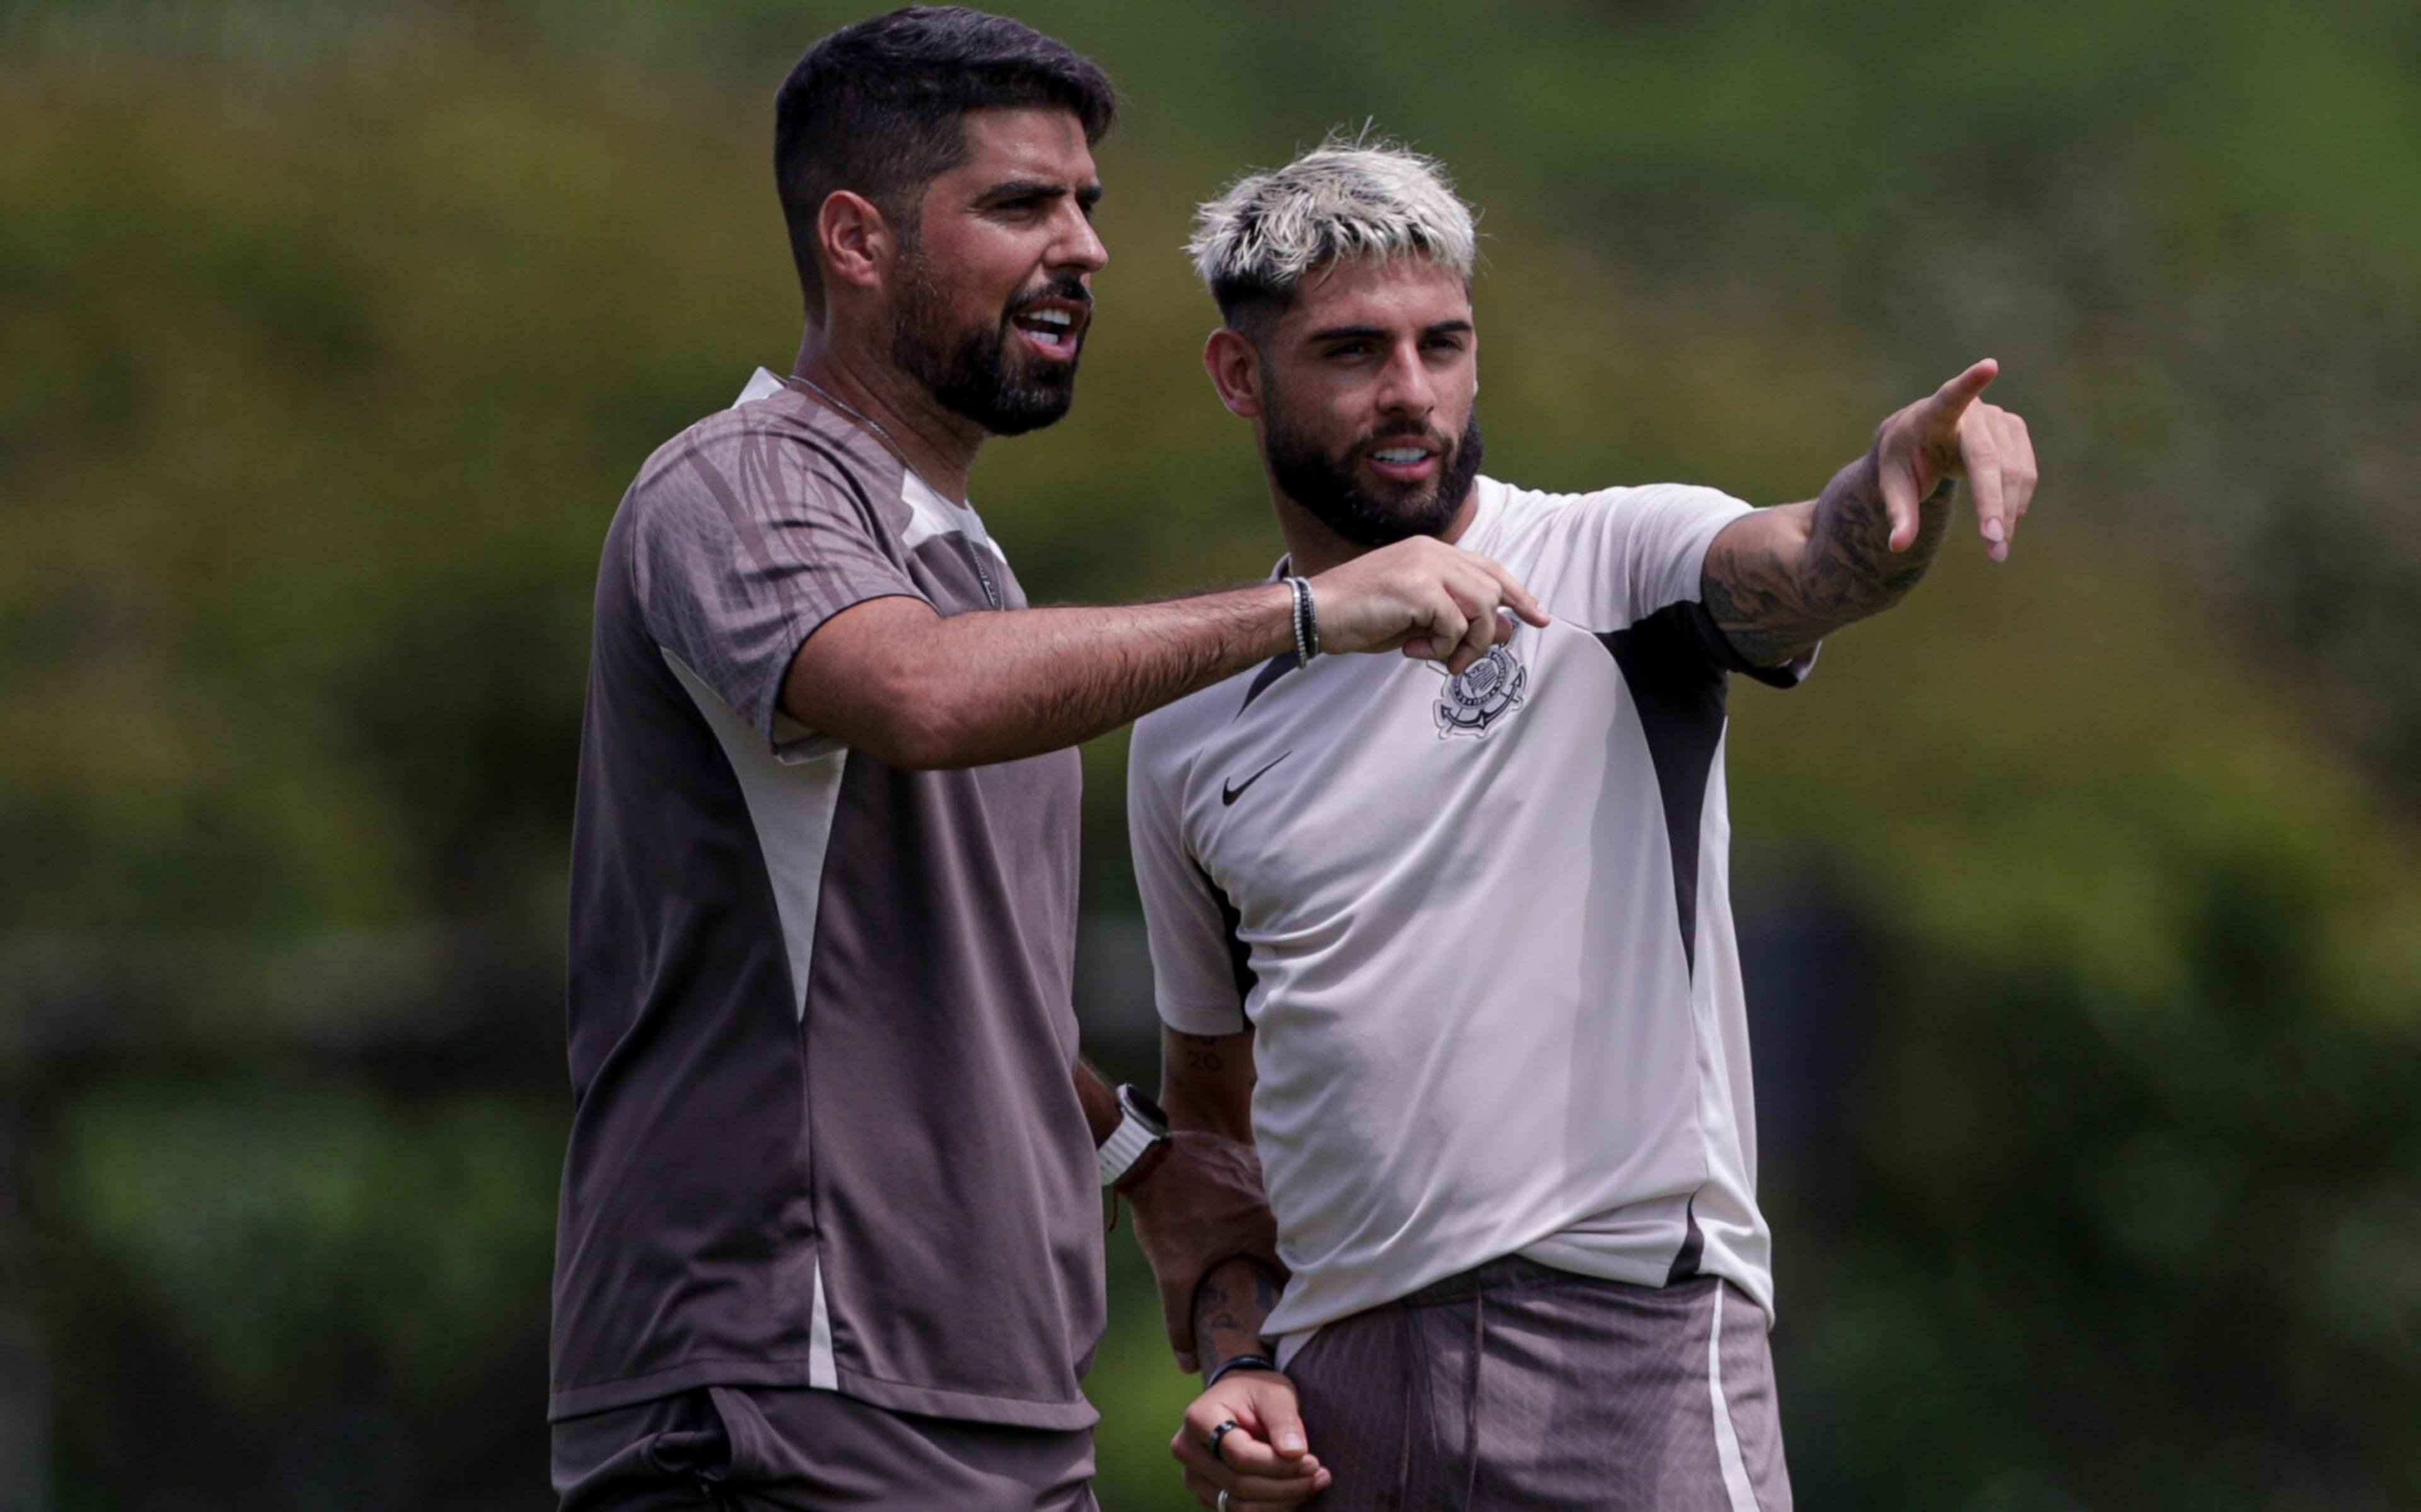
(1404, 385)
(1078, 247)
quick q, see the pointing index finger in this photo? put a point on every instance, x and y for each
(1950, 402)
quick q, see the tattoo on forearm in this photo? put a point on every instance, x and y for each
(1227, 1317)
(1773, 604)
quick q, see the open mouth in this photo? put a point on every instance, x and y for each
(1054, 328)
(1404, 461)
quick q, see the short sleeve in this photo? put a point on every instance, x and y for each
(745, 542)
(1201, 976)
(1630, 553)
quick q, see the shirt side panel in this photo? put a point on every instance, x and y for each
(1738, 1244)
(954, 1177)
(685, 1236)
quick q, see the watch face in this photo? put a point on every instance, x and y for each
(1131, 1098)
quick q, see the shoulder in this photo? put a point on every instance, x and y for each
(1523, 511)
(1609, 535)
(776, 445)
(1605, 557)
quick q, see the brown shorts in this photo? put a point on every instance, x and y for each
(743, 1449)
(1515, 1385)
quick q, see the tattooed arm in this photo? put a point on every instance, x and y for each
(1206, 1083)
(1207, 1090)
(1229, 1308)
(1780, 579)
(1201, 1205)
(1245, 1436)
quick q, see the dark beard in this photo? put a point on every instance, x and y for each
(974, 374)
(1325, 485)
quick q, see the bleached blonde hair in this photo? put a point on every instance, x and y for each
(1354, 195)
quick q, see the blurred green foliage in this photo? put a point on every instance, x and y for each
(333, 332)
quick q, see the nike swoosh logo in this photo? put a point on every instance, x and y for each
(1231, 791)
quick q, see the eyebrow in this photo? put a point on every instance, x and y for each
(1374, 332)
(1015, 189)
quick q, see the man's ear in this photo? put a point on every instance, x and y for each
(1235, 369)
(854, 240)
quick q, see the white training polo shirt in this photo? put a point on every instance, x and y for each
(1481, 925)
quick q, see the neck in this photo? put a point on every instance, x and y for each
(938, 445)
(1313, 548)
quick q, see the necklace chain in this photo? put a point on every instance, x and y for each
(857, 415)
(975, 554)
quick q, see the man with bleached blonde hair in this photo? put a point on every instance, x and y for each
(1453, 948)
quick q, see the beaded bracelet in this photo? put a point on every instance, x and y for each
(1306, 623)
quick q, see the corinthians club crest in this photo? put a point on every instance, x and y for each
(1484, 693)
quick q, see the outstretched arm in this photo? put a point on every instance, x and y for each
(917, 690)
(1780, 579)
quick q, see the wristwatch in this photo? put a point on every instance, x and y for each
(1141, 1126)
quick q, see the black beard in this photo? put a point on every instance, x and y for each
(1326, 486)
(974, 374)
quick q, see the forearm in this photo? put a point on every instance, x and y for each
(1099, 1101)
(1805, 570)
(973, 689)
(1206, 1083)
(1203, 1212)
(917, 690)
(1229, 1307)
(1850, 571)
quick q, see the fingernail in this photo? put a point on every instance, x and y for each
(1291, 1442)
(1993, 533)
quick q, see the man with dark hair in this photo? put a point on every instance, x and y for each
(830, 1226)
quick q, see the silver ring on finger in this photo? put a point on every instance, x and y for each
(1222, 1503)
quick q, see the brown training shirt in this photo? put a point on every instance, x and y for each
(821, 1035)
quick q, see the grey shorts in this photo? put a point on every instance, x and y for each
(735, 1449)
(1515, 1385)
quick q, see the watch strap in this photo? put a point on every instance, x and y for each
(1128, 1142)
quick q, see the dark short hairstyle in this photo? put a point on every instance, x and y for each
(876, 107)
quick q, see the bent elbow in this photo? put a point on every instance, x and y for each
(922, 726)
